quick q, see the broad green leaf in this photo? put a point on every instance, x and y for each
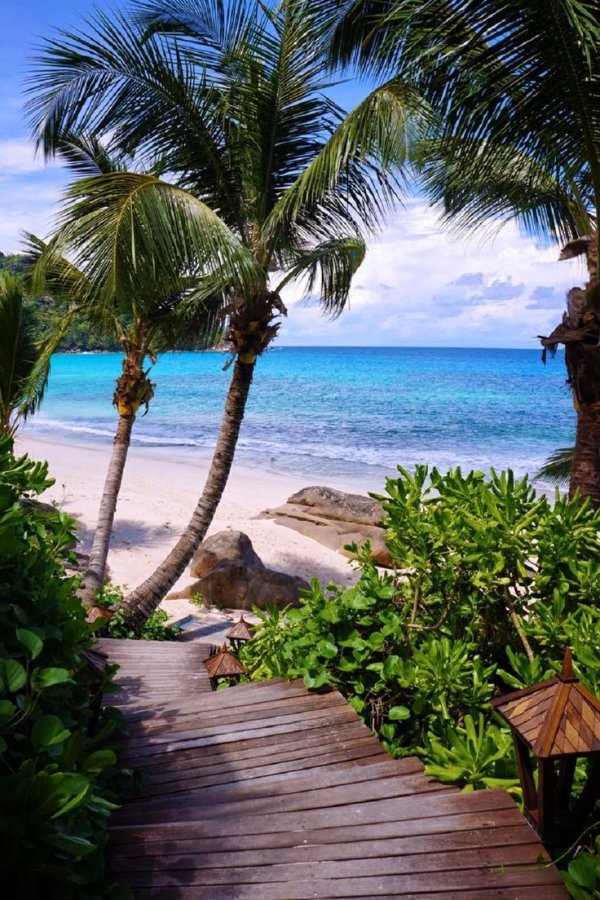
(99, 760)
(327, 649)
(14, 675)
(31, 641)
(398, 713)
(46, 678)
(47, 732)
(315, 681)
(77, 846)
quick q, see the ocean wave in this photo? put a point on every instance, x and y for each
(291, 455)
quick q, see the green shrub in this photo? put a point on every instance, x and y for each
(490, 583)
(54, 759)
(155, 627)
(582, 876)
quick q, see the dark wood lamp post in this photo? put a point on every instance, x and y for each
(555, 723)
(224, 664)
(239, 633)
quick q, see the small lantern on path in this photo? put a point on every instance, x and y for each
(239, 633)
(555, 723)
(224, 664)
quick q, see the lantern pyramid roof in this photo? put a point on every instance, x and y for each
(241, 631)
(559, 717)
(224, 663)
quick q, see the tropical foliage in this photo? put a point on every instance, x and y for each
(517, 90)
(55, 796)
(24, 360)
(582, 876)
(265, 174)
(155, 628)
(490, 584)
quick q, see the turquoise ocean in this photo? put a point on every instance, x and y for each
(334, 412)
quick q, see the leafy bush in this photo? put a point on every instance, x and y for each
(155, 627)
(582, 876)
(54, 759)
(490, 583)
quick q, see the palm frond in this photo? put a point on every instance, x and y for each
(87, 155)
(22, 381)
(138, 239)
(356, 178)
(521, 76)
(330, 266)
(487, 189)
(557, 468)
(34, 386)
(145, 97)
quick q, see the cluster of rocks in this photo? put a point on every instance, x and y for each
(335, 518)
(230, 574)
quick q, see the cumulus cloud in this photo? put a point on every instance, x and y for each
(469, 279)
(447, 291)
(18, 157)
(544, 297)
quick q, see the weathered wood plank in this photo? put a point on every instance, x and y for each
(194, 853)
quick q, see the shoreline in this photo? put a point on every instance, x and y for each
(157, 498)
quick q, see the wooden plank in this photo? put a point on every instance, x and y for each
(366, 888)
(247, 760)
(329, 718)
(319, 732)
(482, 869)
(178, 720)
(192, 869)
(403, 809)
(176, 726)
(193, 853)
(273, 815)
(233, 777)
(276, 798)
(132, 840)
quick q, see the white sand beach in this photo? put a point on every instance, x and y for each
(159, 491)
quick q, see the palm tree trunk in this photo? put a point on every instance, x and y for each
(142, 602)
(96, 570)
(585, 468)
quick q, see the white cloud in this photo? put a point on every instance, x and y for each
(421, 286)
(18, 157)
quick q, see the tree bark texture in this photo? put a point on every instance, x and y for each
(579, 331)
(142, 602)
(96, 570)
(585, 468)
(582, 359)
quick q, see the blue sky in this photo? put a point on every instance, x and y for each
(419, 285)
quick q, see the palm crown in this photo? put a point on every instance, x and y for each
(228, 102)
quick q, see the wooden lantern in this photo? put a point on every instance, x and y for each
(224, 664)
(555, 723)
(239, 633)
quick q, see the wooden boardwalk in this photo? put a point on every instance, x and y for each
(267, 791)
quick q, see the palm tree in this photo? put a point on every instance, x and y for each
(135, 302)
(24, 358)
(232, 100)
(513, 81)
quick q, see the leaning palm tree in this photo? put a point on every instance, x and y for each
(24, 357)
(514, 80)
(137, 307)
(232, 99)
